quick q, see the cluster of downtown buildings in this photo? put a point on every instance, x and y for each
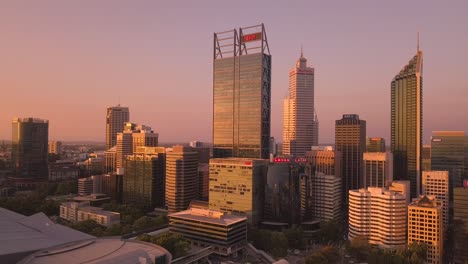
(411, 193)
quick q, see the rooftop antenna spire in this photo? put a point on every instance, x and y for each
(119, 100)
(302, 55)
(418, 42)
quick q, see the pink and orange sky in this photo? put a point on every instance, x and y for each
(67, 61)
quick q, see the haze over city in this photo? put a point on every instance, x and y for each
(67, 62)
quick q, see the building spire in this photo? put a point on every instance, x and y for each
(418, 42)
(302, 54)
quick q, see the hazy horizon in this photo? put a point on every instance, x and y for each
(68, 61)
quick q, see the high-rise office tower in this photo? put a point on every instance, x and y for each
(425, 225)
(144, 177)
(407, 123)
(300, 125)
(375, 144)
(436, 183)
(132, 137)
(324, 159)
(460, 217)
(110, 160)
(377, 169)
(241, 93)
(448, 153)
(237, 186)
(350, 140)
(55, 147)
(402, 187)
(326, 197)
(30, 137)
(426, 157)
(379, 215)
(181, 178)
(116, 118)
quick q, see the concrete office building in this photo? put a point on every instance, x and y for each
(425, 225)
(300, 124)
(378, 169)
(426, 158)
(402, 187)
(379, 215)
(324, 159)
(116, 118)
(132, 137)
(375, 144)
(203, 181)
(407, 123)
(241, 93)
(326, 197)
(55, 147)
(85, 186)
(436, 183)
(144, 178)
(225, 234)
(460, 217)
(78, 212)
(181, 178)
(29, 153)
(237, 186)
(350, 140)
(110, 156)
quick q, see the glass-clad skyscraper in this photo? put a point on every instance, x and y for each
(406, 123)
(448, 153)
(30, 137)
(241, 93)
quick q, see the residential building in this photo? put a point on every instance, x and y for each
(29, 154)
(144, 178)
(375, 144)
(350, 140)
(378, 169)
(116, 118)
(241, 93)
(237, 186)
(425, 225)
(379, 215)
(407, 123)
(78, 212)
(226, 234)
(436, 183)
(181, 178)
(55, 147)
(300, 124)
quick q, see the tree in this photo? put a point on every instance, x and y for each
(295, 236)
(278, 244)
(359, 247)
(324, 255)
(144, 222)
(417, 252)
(329, 231)
(174, 243)
(89, 227)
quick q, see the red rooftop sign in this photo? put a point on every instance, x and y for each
(252, 37)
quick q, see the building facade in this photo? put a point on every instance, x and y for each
(375, 144)
(378, 169)
(241, 93)
(407, 123)
(460, 217)
(116, 118)
(79, 212)
(324, 159)
(29, 154)
(144, 178)
(448, 154)
(425, 225)
(380, 216)
(85, 186)
(436, 183)
(326, 197)
(132, 137)
(350, 140)
(181, 178)
(55, 147)
(426, 157)
(237, 186)
(226, 234)
(300, 124)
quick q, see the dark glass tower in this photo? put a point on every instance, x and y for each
(406, 127)
(350, 139)
(30, 137)
(241, 93)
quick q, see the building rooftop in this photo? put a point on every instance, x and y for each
(425, 201)
(209, 216)
(20, 235)
(100, 250)
(85, 207)
(238, 161)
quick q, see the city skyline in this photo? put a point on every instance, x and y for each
(78, 69)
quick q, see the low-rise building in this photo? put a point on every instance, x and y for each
(225, 233)
(78, 212)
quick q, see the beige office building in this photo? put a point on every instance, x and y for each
(402, 187)
(436, 183)
(55, 147)
(181, 178)
(133, 136)
(324, 159)
(300, 123)
(379, 215)
(326, 197)
(378, 169)
(425, 225)
(237, 186)
(78, 212)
